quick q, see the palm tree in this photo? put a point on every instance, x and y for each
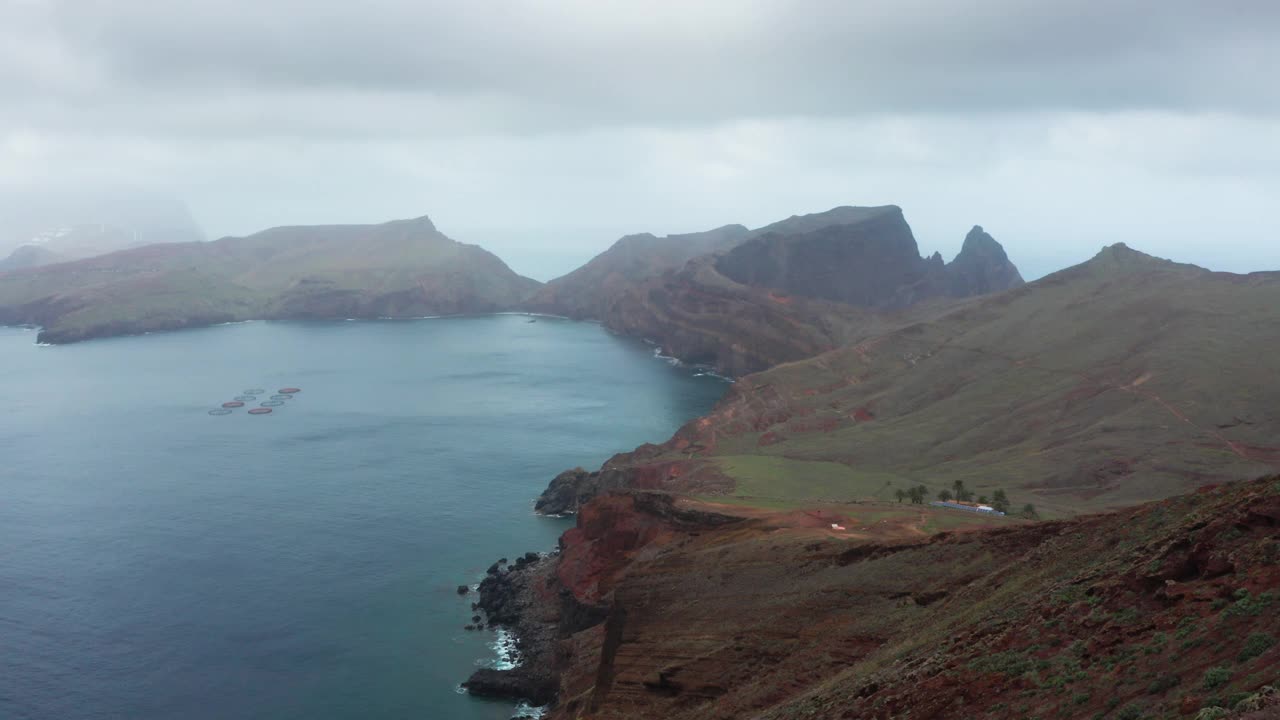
(1000, 501)
(900, 494)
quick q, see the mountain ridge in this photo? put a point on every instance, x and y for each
(403, 268)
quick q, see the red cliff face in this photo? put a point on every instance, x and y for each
(608, 531)
(1164, 608)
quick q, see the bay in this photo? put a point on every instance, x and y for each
(157, 561)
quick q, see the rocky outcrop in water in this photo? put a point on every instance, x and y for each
(517, 597)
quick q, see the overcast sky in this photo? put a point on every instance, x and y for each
(544, 130)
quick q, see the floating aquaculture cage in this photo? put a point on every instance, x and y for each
(246, 398)
(259, 411)
(281, 397)
(220, 411)
(289, 390)
(233, 404)
(271, 403)
(255, 391)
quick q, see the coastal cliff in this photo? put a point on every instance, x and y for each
(802, 286)
(1109, 611)
(764, 561)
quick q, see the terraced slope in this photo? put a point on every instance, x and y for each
(399, 269)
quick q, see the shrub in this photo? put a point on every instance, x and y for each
(1129, 712)
(1215, 677)
(1247, 605)
(1255, 645)
(1162, 683)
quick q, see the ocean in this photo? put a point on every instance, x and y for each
(158, 561)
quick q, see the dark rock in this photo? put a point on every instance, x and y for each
(511, 685)
(475, 618)
(463, 589)
(573, 488)
(981, 267)
(512, 599)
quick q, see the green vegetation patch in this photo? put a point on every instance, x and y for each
(764, 476)
(1255, 645)
(1215, 677)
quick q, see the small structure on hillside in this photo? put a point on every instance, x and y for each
(967, 507)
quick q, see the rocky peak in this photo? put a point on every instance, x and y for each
(981, 267)
(859, 256)
(419, 223)
(1120, 258)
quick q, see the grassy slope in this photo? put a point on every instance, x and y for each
(1124, 379)
(356, 269)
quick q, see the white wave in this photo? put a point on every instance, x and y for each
(504, 647)
(713, 374)
(527, 710)
(672, 361)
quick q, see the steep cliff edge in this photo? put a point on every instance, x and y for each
(803, 286)
(744, 300)
(982, 267)
(1153, 611)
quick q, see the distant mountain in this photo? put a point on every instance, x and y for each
(866, 257)
(982, 267)
(404, 268)
(73, 224)
(29, 256)
(802, 286)
(586, 293)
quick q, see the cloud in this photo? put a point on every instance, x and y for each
(1066, 124)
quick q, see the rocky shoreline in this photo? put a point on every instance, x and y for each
(544, 600)
(527, 599)
(509, 599)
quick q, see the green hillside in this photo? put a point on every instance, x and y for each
(1124, 379)
(399, 269)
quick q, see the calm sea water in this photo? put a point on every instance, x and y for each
(159, 562)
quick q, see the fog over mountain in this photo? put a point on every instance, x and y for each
(546, 130)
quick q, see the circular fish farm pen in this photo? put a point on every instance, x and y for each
(255, 391)
(259, 411)
(271, 403)
(246, 398)
(233, 404)
(281, 397)
(289, 390)
(220, 411)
